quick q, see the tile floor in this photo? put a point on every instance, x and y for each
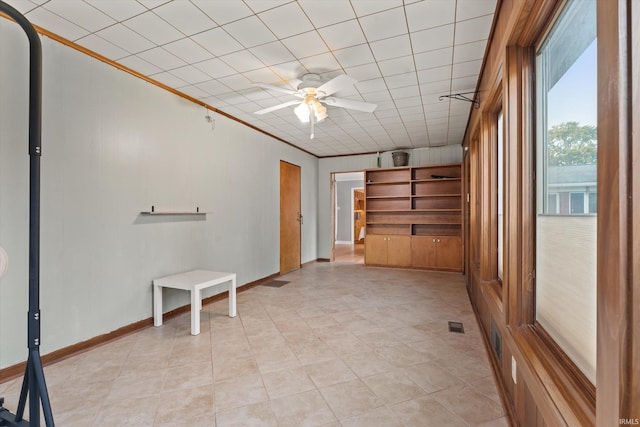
(340, 345)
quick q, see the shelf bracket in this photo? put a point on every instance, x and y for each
(462, 97)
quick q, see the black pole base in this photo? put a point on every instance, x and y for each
(7, 419)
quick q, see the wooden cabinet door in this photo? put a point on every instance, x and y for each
(449, 254)
(375, 249)
(399, 251)
(423, 251)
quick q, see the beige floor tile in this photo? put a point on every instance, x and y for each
(134, 386)
(240, 391)
(425, 412)
(393, 387)
(189, 376)
(329, 372)
(287, 382)
(193, 406)
(350, 398)
(231, 366)
(379, 417)
(256, 415)
(302, 410)
(469, 405)
(400, 355)
(431, 377)
(128, 413)
(367, 363)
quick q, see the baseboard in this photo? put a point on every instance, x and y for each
(323, 260)
(17, 370)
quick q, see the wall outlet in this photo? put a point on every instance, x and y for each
(513, 370)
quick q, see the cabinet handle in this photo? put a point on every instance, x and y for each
(434, 240)
(438, 240)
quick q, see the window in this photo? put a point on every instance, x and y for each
(566, 151)
(500, 192)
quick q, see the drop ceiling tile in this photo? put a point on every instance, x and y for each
(401, 80)
(464, 84)
(382, 25)
(262, 5)
(153, 28)
(215, 68)
(363, 72)
(80, 13)
(153, 3)
(434, 58)
(262, 75)
(431, 75)
(52, 22)
(439, 88)
(169, 79)
(242, 61)
(139, 65)
(23, 6)
(469, 51)
(354, 55)
(320, 63)
(161, 58)
(366, 7)
(466, 69)
(190, 74)
(473, 29)
(188, 50)
(344, 34)
(306, 44)
(430, 14)
(236, 82)
(125, 38)
(376, 97)
(327, 12)
(391, 48)
(405, 92)
(194, 92)
(102, 47)
(408, 102)
(433, 38)
(223, 11)
(184, 16)
(286, 21)
(272, 53)
(394, 66)
(249, 31)
(217, 41)
(214, 87)
(289, 70)
(468, 9)
(119, 10)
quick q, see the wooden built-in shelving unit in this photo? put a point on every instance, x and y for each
(416, 213)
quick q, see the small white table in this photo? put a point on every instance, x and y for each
(193, 281)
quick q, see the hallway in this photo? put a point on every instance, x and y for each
(337, 345)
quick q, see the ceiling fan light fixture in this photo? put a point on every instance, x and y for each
(302, 111)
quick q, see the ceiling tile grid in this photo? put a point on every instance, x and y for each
(404, 55)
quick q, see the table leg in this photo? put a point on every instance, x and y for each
(232, 297)
(157, 305)
(195, 312)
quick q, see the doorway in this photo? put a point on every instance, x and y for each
(348, 217)
(290, 217)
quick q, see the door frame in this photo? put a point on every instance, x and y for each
(298, 213)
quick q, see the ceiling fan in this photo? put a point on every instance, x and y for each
(314, 93)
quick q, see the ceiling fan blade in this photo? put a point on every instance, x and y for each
(276, 88)
(277, 107)
(337, 83)
(350, 104)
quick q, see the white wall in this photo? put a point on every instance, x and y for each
(329, 165)
(114, 145)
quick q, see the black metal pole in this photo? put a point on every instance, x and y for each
(34, 384)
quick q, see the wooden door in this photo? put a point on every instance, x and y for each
(290, 217)
(423, 251)
(399, 251)
(450, 253)
(375, 249)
